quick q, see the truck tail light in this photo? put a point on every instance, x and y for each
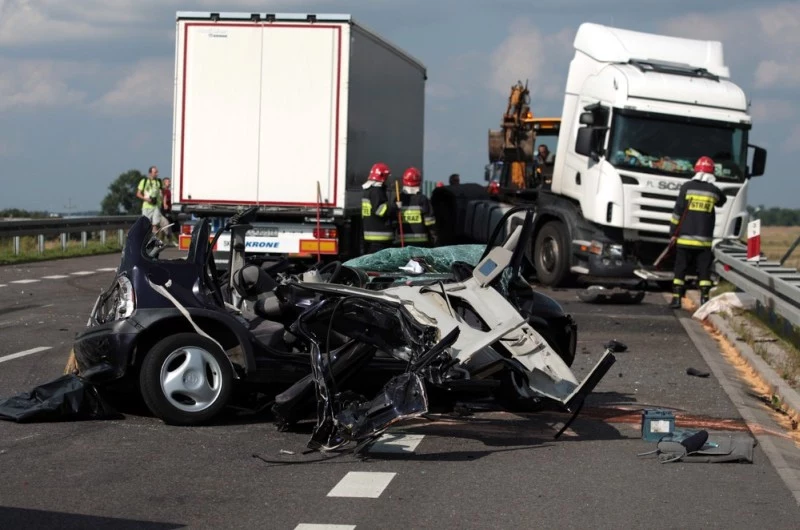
(325, 233)
(186, 229)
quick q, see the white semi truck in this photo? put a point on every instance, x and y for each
(639, 109)
(289, 112)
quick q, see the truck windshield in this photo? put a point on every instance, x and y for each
(657, 144)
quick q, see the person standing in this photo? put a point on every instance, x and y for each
(692, 230)
(417, 212)
(149, 191)
(166, 208)
(377, 211)
(455, 179)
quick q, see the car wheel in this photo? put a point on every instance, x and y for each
(551, 254)
(186, 379)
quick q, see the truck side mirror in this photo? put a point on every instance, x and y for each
(583, 145)
(586, 118)
(759, 161)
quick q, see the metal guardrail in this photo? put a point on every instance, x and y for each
(63, 227)
(774, 286)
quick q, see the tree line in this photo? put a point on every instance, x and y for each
(775, 216)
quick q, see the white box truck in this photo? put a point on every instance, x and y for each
(289, 112)
(639, 110)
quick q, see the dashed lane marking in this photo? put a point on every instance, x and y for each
(107, 269)
(2, 285)
(25, 281)
(396, 443)
(364, 484)
(24, 353)
(82, 273)
(305, 526)
(55, 277)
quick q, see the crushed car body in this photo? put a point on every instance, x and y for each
(362, 348)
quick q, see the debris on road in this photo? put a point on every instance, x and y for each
(702, 447)
(67, 398)
(697, 373)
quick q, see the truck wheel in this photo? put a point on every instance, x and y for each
(551, 254)
(186, 379)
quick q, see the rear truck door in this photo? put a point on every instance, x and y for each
(301, 118)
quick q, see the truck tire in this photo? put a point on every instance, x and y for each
(551, 254)
(186, 379)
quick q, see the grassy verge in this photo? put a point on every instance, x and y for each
(29, 251)
(776, 240)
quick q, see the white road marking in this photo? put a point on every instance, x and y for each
(107, 269)
(25, 281)
(82, 273)
(396, 443)
(2, 285)
(55, 277)
(366, 484)
(305, 526)
(24, 353)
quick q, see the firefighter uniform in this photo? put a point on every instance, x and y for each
(692, 225)
(377, 211)
(418, 220)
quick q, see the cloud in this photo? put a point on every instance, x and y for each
(528, 53)
(768, 35)
(145, 86)
(774, 74)
(774, 110)
(39, 83)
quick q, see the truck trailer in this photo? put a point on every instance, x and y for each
(639, 110)
(288, 112)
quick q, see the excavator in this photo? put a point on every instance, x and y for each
(512, 156)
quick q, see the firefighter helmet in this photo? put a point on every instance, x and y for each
(704, 164)
(379, 172)
(412, 177)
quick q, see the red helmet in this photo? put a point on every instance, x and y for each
(704, 164)
(440, 184)
(379, 172)
(412, 177)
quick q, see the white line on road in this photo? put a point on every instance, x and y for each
(305, 526)
(2, 285)
(368, 484)
(24, 353)
(396, 443)
(55, 277)
(107, 269)
(25, 281)
(82, 273)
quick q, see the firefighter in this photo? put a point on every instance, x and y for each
(377, 211)
(692, 229)
(417, 213)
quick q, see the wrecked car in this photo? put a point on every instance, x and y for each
(186, 335)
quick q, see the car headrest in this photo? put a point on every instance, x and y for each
(251, 281)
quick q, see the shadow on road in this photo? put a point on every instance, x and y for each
(34, 519)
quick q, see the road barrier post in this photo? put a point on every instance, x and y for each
(16, 245)
(103, 237)
(64, 242)
(84, 240)
(119, 237)
(41, 243)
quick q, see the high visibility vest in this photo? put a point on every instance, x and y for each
(696, 203)
(418, 219)
(375, 214)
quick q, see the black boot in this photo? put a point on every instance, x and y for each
(677, 294)
(704, 294)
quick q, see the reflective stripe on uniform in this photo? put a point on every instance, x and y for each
(381, 210)
(704, 283)
(694, 241)
(378, 236)
(678, 281)
(675, 219)
(430, 221)
(412, 238)
(701, 201)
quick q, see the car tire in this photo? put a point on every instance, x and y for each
(551, 254)
(186, 379)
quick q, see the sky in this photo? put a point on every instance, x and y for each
(86, 86)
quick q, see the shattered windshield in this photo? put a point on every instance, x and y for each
(657, 144)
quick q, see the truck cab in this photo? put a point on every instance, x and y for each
(639, 110)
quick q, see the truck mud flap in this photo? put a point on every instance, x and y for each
(574, 403)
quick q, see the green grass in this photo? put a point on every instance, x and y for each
(29, 250)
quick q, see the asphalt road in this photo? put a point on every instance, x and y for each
(486, 470)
